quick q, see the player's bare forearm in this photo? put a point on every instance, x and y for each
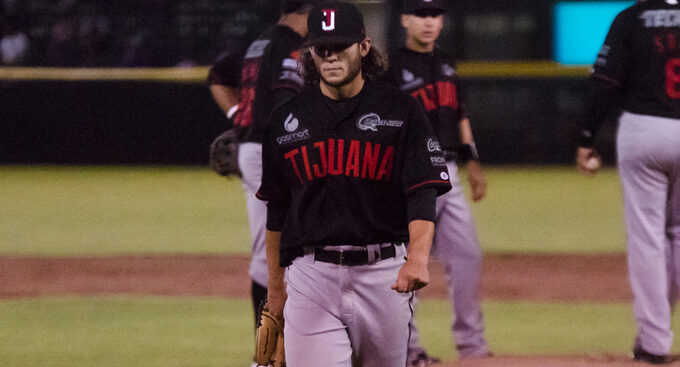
(225, 97)
(465, 131)
(475, 174)
(477, 180)
(414, 274)
(276, 291)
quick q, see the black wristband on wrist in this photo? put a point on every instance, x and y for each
(586, 139)
(468, 152)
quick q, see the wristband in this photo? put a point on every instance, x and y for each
(232, 111)
(468, 152)
(586, 139)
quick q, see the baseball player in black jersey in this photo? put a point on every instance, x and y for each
(639, 68)
(429, 75)
(224, 81)
(269, 76)
(350, 175)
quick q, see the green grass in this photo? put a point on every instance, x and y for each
(149, 332)
(550, 209)
(113, 210)
(60, 211)
(526, 328)
(124, 331)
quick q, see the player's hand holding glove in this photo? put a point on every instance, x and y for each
(224, 154)
(269, 340)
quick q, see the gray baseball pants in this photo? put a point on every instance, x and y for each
(250, 164)
(457, 247)
(648, 150)
(346, 316)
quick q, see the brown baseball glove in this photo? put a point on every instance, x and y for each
(224, 154)
(269, 340)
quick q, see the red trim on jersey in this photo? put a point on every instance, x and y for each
(429, 182)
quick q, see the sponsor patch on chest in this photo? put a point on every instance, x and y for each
(371, 121)
(291, 125)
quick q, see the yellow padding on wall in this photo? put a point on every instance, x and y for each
(536, 69)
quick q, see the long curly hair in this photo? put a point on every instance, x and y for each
(373, 64)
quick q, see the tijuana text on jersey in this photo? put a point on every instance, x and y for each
(432, 79)
(346, 167)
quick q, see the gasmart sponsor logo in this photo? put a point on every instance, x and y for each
(372, 121)
(294, 137)
(291, 125)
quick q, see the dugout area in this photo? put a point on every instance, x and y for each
(521, 113)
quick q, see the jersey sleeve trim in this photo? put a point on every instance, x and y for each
(431, 182)
(260, 196)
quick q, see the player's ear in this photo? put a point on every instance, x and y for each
(365, 46)
(440, 21)
(405, 18)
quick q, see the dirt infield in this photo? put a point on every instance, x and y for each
(567, 278)
(548, 361)
(564, 278)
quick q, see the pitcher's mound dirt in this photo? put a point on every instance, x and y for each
(547, 361)
(566, 278)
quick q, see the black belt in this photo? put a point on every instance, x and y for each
(354, 257)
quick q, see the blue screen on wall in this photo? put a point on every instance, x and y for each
(580, 27)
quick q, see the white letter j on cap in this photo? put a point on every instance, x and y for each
(328, 24)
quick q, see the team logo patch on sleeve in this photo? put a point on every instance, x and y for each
(433, 145)
(444, 176)
(372, 121)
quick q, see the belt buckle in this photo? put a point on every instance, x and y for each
(341, 257)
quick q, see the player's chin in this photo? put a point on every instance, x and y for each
(335, 80)
(427, 38)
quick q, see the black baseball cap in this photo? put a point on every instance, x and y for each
(413, 6)
(335, 23)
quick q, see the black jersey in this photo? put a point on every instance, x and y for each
(227, 71)
(269, 65)
(432, 79)
(347, 167)
(641, 56)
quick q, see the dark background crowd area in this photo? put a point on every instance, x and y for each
(128, 33)
(165, 33)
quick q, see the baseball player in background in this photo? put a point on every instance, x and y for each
(224, 81)
(350, 175)
(639, 67)
(269, 76)
(422, 70)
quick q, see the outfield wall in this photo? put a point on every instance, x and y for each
(522, 113)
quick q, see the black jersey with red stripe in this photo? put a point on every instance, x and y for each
(432, 79)
(269, 65)
(641, 56)
(347, 167)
